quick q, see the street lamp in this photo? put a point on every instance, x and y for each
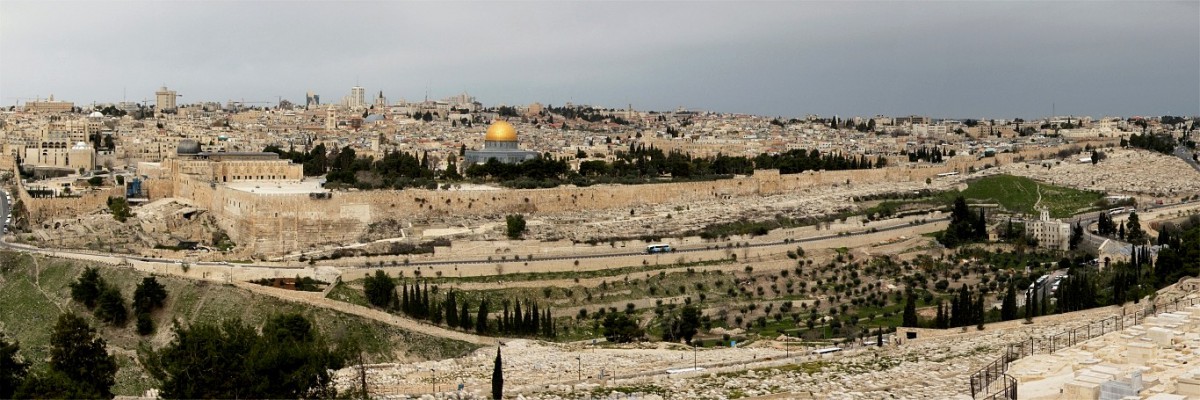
(434, 380)
(579, 368)
(695, 358)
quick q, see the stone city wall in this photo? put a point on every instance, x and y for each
(280, 223)
(41, 209)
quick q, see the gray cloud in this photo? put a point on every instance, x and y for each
(976, 59)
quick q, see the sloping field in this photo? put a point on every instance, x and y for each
(34, 291)
(1019, 194)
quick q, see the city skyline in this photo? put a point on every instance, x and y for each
(992, 59)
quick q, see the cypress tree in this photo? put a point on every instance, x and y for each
(518, 325)
(979, 312)
(464, 317)
(425, 307)
(481, 319)
(504, 318)
(910, 310)
(497, 376)
(1008, 309)
(451, 307)
(1042, 303)
(534, 317)
(940, 322)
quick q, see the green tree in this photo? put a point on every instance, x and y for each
(619, 328)
(86, 289)
(145, 325)
(1133, 232)
(379, 289)
(110, 307)
(148, 295)
(119, 208)
(481, 320)
(1008, 309)
(498, 377)
(516, 226)
(289, 359)
(12, 368)
(80, 366)
(910, 310)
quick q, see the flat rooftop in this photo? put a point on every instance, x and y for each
(278, 187)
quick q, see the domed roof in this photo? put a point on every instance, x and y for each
(95, 114)
(188, 146)
(501, 131)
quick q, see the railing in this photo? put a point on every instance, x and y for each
(1007, 392)
(997, 371)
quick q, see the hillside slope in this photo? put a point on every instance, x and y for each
(34, 290)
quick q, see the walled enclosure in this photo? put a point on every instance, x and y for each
(274, 224)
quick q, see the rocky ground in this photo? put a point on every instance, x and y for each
(932, 368)
(163, 222)
(1122, 171)
(676, 218)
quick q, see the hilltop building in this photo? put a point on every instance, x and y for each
(500, 143)
(164, 100)
(49, 106)
(1050, 233)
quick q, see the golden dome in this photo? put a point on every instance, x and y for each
(501, 131)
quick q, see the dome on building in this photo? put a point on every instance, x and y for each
(188, 146)
(373, 118)
(95, 114)
(501, 131)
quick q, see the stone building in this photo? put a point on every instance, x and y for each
(1050, 233)
(228, 167)
(500, 144)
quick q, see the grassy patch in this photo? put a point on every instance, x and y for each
(32, 303)
(1019, 194)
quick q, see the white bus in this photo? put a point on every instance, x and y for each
(1116, 211)
(658, 248)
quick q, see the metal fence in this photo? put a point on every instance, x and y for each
(995, 373)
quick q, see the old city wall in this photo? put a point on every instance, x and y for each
(280, 223)
(274, 224)
(41, 209)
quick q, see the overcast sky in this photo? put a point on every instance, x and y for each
(941, 59)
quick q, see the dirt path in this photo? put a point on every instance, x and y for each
(314, 299)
